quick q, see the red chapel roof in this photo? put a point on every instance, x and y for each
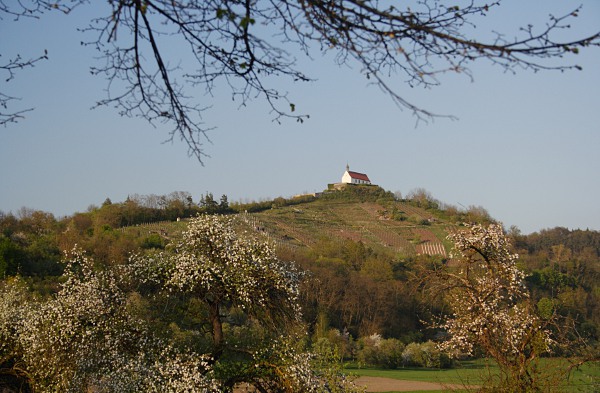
(359, 176)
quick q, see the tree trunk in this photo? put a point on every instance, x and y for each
(217, 329)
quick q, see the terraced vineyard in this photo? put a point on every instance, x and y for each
(165, 229)
(303, 225)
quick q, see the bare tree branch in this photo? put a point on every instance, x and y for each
(9, 70)
(246, 43)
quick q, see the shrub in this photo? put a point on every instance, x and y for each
(412, 355)
(153, 240)
(425, 355)
(385, 353)
(390, 353)
(432, 357)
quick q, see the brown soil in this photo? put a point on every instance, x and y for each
(378, 384)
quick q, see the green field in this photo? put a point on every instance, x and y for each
(583, 379)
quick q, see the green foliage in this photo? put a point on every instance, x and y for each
(391, 353)
(422, 198)
(425, 354)
(11, 257)
(360, 193)
(418, 220)
(138, 209)
(413, 355)
(564, 266)
(154, 240)
(550, 279)
(328, 342)
(397, 214)
(545, 308)
(578, 241)
(350, 253)
(376, 351)
(208, 204)
(325, 349)
(42, 258)
(29, 254)
(255, 207)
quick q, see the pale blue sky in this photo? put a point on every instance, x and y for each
(525, 147)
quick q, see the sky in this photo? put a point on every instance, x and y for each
(526, 147)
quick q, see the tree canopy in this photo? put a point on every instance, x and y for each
(244, 43)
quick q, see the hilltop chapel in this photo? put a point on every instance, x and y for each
(350, 177)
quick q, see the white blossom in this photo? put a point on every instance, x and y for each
(83, 339)
(213, 261)
(490, 303)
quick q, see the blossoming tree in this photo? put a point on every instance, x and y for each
(91, 335)
(84, 339)
(490, 310)
(227, 271)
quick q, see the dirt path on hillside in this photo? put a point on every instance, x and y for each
(378, 384)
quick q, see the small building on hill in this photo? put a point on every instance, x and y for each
(350, 177)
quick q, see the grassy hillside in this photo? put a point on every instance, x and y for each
(304, 225)
(381, 224)
(366, 214)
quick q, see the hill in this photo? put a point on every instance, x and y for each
(409, 227)
(374, 223)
